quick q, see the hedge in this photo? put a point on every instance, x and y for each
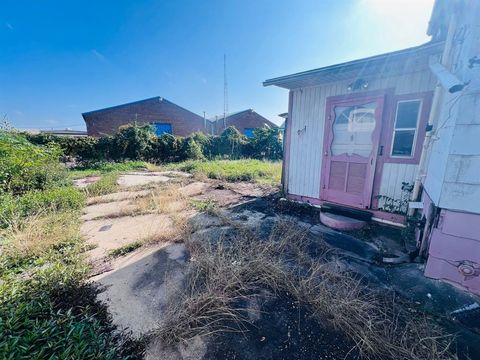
(139, 142)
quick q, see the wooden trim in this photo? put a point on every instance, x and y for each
(288, 137)
(383, 215)
(387, 136)
(378, 96)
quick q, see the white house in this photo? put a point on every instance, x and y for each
(373, 133)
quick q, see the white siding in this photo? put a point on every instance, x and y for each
(308, 122)
(453, 176)
(392, 177)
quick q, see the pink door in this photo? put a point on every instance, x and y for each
(352, 132)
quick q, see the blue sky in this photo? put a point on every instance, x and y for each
(61, 58)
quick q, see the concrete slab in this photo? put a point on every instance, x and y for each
(137, 292)
(340, 222)
(138, 179)
(107, 209)
(118, 196)
(109, 234)
(195, 188)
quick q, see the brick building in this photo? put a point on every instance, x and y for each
(245, 121)
(164, 115)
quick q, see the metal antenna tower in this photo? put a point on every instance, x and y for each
(225, 89)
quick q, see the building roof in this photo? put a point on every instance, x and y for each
(65, 132)
(438, 24)
(152, 99)
(234, 115)
(369, 65)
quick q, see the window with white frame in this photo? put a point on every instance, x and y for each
(405, 128)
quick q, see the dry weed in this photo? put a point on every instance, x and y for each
(225, 272)
(38, 234)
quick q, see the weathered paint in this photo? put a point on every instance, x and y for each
(339, 222)
(307, 123)
(363, 197)
(393, 175)
(376, 214)
(454, 250)
(453, 178)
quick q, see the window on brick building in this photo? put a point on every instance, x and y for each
(162, 128)
(248, 132)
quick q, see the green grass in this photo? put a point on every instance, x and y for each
(106, 185)
(106, 168)
(125, 249)
(14, 208)
(208, 205)
(233, 170)
(47, 309)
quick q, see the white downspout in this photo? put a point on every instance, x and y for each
(446, 61)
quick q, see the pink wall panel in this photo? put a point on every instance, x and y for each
(454, 253)
(442, 269)
(462, 224)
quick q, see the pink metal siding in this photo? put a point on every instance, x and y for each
(454, 253)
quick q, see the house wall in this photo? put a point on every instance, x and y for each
(245, 120)
(454, 250)
(308, 122)
(107, 121)
(453, 175)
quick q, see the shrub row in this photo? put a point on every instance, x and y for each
(139, 142)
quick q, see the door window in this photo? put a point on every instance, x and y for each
(352, 130)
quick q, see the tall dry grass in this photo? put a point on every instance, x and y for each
(225, 272)
(39, 234)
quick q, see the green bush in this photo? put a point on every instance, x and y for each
(133, 142)
(266, 144)
(49, 312)
(138, 142)
(25, 166)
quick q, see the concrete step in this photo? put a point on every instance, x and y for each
(359, 214)
(340, 222)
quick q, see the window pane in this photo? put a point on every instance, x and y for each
(407, 114)
(352, 130)
(248, 132)
(162, 128)
(403, 142)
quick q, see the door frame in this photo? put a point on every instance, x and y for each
(343, 100)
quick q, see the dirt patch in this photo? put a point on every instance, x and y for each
(284, 330)
(84, 182)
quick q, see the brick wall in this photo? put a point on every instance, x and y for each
(107, 121)
(242, 120)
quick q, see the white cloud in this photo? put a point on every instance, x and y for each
(99, 55)
(9, 26)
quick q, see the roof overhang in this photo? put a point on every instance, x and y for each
(366, 67)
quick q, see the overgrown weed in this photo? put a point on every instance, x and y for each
(225, 272)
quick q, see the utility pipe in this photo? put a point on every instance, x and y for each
(446, 61)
